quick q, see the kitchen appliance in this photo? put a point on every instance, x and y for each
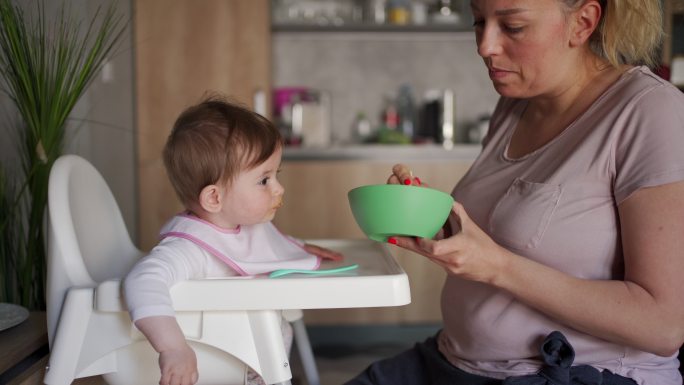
(437, 117)
(303, 116)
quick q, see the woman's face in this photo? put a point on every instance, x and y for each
(524, 44)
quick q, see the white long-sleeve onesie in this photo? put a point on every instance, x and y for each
(184, 254)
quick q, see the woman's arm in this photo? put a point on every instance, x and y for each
(645, 311)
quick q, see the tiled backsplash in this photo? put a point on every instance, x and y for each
(358, 69)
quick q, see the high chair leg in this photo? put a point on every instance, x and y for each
(305, 352)
(268, 340)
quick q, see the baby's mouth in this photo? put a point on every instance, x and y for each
(278, 204)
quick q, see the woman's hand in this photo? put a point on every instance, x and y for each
(322, 252)
(401, 174)
(470, 253)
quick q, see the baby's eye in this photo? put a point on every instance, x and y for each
(264, 181)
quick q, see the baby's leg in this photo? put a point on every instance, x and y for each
(286, 329)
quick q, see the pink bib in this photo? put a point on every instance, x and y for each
(249, 250)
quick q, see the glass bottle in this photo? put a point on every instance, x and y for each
(406, 109)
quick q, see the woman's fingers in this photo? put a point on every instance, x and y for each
(393, 179)
(458, 212)
(405, 242)
(402, 174)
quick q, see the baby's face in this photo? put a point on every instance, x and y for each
(254, 195)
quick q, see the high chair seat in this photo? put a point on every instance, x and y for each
(89, 329)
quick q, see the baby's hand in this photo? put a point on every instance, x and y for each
(323, 252)
(178, 366)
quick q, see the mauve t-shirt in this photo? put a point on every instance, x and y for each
(558, 206)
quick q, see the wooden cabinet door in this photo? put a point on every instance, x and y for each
(185, 49)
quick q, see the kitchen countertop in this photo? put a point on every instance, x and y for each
(383, 152)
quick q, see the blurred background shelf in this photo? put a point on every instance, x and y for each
(384, 152)
(449, 28)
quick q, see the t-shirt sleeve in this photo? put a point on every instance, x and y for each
(649, 149)
(147, 285)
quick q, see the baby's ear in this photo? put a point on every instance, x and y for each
(210, 198)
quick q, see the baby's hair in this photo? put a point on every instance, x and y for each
(213, 141)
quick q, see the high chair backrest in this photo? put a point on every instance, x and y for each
(87, 238)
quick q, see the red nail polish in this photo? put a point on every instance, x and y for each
(418, 181)
(392, 240)
(407, 181)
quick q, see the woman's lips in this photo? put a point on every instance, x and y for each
(497, 73)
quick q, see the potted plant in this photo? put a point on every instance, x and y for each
(45, 67)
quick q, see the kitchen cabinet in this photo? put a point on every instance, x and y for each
(184, 50)
(316, 207)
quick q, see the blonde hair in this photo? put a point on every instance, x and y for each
(629, 32)
(212, 142)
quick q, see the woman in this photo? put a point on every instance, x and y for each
(563, 251)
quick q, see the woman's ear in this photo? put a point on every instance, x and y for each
(585, 20)
(210, 198)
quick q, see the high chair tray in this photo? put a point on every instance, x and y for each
(378, 282)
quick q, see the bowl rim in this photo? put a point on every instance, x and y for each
(395, 186)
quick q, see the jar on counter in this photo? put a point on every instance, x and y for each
(376, 11)
(361, 128)
(399, 12)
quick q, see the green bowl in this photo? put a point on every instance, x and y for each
(385, 210)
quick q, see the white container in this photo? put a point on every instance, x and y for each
(419, 13)
(677, 71)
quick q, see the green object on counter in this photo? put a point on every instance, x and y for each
(385, 210)
(281, 272)
(389, 136)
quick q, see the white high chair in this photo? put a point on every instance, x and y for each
(89, 329)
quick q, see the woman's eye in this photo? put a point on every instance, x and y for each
(263, 182)
(512, 29)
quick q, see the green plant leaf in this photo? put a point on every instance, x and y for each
(46, 68)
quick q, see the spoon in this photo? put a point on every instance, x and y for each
(281, 272)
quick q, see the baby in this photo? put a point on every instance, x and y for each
(222, 160)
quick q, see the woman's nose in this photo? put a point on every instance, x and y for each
(488, 42)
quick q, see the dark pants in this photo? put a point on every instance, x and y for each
(425, 365)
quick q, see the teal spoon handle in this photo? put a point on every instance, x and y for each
(281, 272)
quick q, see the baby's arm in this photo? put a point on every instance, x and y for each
(149, 302)
(177, 360)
